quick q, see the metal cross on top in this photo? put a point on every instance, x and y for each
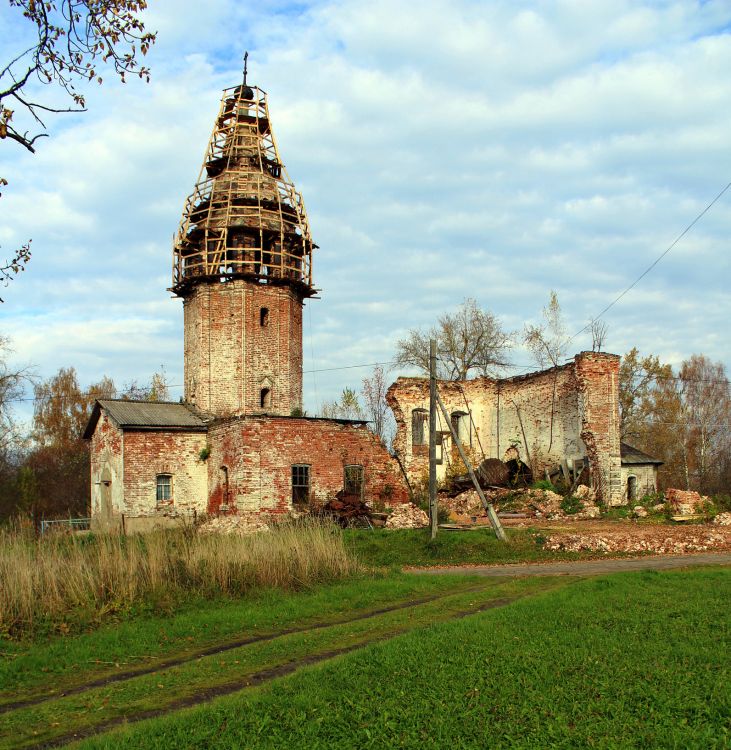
(246, 65)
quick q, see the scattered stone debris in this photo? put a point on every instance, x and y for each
(239, 524)
(659, 507)
(658, 539)
(722, 519)
(407, 516)
(684, 503)
(639, 512)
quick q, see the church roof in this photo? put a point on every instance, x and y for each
(146, 415)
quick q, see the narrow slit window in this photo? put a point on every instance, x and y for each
(353, 481)
(164, 490)
(264, 317)
(300, 484)
(418, 426)
(265, 398)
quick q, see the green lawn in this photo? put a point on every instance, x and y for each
(224, 671)
(623, 661)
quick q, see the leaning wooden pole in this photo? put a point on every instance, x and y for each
(433, 510)
(494, 520)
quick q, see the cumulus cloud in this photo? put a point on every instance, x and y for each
(444, 150)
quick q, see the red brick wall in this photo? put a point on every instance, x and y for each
(230, 356)
(149, 453)
(259, 452)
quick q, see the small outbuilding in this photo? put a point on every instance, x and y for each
(639, 472)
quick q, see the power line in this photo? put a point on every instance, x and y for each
(655, 262)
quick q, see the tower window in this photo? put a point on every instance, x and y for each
(265, 398)
(264, 317)
(300, 484)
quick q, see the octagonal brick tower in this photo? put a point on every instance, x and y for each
(242, 262)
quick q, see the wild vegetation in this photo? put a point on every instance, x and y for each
(64, 582)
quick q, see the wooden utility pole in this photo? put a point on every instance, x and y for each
(433, 511)
(494, 520)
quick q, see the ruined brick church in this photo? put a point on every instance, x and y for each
(237, 441)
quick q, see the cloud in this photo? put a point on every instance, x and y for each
(444, 150)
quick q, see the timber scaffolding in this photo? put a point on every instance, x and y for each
(244, 219)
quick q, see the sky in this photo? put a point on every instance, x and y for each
(444, 150)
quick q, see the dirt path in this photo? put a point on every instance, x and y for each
(220, 648)
(251, 681)
(582, 568)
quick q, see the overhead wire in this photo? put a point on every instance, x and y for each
(653, 264)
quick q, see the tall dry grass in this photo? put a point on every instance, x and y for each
(60, 577)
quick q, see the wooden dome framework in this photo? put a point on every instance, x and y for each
(244, 217)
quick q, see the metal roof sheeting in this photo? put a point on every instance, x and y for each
(146, 415)
(632, 455)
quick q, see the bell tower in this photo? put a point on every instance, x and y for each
(242, 262)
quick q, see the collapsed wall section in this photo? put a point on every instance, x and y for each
(250, 468)
(567, 413)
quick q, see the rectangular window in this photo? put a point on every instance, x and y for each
(300, 484)
(353, 484)
(164, 488)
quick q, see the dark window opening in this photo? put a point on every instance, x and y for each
(264, 317)
(418, 426)
(164, 488)
(300, 484)
(632, 488)
(265, 398)
(353, 481)
(461, 426)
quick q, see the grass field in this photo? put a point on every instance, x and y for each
(625, 661)
(91, 694)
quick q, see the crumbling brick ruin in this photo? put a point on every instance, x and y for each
(565, 415)
(242, 264)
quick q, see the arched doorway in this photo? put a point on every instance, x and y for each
(632, 488)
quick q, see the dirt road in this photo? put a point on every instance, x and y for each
(583, 568)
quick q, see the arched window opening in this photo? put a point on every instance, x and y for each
(265, 398)
(632, 488)
(264, 317)
(418, 426)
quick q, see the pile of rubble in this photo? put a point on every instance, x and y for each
(722, 519)
(533, 502)
(660, 540)
(407, 516)
(347, 509)
(241, 525)
(684, 503)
